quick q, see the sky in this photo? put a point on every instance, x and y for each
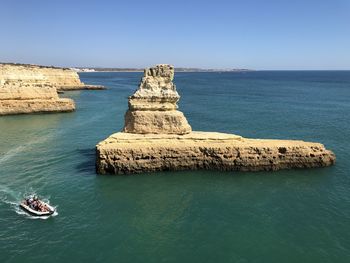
(253, 34)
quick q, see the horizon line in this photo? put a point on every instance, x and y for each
(176, 67)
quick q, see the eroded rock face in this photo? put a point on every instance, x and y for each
(9, 107)
(26, 89)
(60, 78)
(153, 107)
(124, 153)
(157, 137)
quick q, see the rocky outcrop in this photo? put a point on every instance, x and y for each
(61, 78)
(124, 153)
(23, 90)
(153, 107)
(9, 107)
(157, 137)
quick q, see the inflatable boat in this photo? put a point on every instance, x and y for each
(49, 209)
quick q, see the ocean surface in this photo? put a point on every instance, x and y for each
(189, 216)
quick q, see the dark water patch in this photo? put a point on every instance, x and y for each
(88, 158)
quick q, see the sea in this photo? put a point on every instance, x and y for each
(300, 215)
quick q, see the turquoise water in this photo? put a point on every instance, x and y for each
(202, 216)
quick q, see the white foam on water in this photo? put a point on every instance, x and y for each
(6, 193)
(13, 199)
(20, 211)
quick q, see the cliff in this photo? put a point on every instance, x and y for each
(61, 78)
(26, 89)
(157, 137)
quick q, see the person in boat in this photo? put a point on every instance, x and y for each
(33, 203)
(43, 207)
(29, 200)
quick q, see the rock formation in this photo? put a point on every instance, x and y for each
(67, 79)
(61, 78)
(23, 90)
(31, 88)
(153, 107)
(157, 137)
(124, 153)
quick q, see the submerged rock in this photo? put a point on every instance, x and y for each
(157, 137)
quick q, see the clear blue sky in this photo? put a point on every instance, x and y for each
(256, 34)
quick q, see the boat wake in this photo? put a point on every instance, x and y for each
(9, 197)
(22, 148)
(19, 211)
(41, 140)
(8, 155)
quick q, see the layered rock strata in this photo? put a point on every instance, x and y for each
(157, 137)
(61, 78)
(153, 107)
(10, 107)
(28, 91)
(124, 153)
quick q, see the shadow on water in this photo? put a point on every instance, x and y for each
(87, 164)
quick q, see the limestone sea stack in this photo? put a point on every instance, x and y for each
(153, 107)
(157, 137)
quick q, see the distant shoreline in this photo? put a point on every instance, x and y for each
(222, 71)
(94, 70)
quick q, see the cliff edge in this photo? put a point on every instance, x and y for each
(61, 78)
(157, 137)
(23, 90)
